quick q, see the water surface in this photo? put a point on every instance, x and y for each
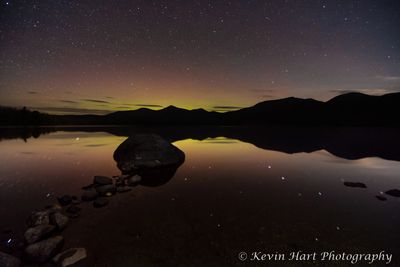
(228, 196)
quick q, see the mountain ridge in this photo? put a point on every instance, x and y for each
(345, 109)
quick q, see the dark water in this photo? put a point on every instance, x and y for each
(239, 189)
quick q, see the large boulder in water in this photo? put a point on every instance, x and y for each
(147, 151)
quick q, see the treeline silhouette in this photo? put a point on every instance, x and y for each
(348, 109)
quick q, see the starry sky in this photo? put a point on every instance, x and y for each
(76, 57)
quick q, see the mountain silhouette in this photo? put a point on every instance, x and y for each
(347, 109)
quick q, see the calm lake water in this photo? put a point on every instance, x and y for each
(228, 196)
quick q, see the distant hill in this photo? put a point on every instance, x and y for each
(346, 109)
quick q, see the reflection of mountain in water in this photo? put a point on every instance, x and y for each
(344, 142)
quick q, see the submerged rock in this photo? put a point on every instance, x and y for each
(44, 250)
(102, 180)
(100, 202)
(142, 151)
(381, 198)
(393, 192)
(134, 180)
(104, 189)
(70, 256)
(89, 194)
(7, 260)
(123, 189)
(73, 209)
(59, 220)
(355, 184)
(39, 232)
(65, 200)
(38, 218)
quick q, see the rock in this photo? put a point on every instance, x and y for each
(70, 256)
(65, 200)
(102, 180)
(355, 184)
(73, 209)
(124, 176)
(44, 250)
(393, 192)
(104, 189)
(39, 232)
(7, 260)
(100, 202)
(90, 186)
(38, 218)
(381, 198)
(89, 195)
(59, 220)
(53, 208)
(141, 151)
(123, 189)
(134, 180)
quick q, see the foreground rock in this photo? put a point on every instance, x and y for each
(38, 218)
(105, 189)
(89, 194)
(39, 232)
(142, 151)
(65, 200)
(102, 180)
(44, 250)
(124, 189)
(8, 260)
(70, 256)
(59, 220)
(134, 180)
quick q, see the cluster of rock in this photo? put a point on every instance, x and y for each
(43, 239)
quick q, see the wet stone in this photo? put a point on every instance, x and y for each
(7, 260)
(39, 232)
(104, 189)
(102, 180)
(134, 180)
(73, 209)
(393, 192)
(65, 200)
(355, 184)
(381, 198)
(59, 220)
(44, 250)
(123, 189)
(70, 256)
(89, 195)
(38, 218)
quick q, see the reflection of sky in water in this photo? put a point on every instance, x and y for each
(266, 186)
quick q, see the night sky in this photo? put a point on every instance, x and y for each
(75, 57)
